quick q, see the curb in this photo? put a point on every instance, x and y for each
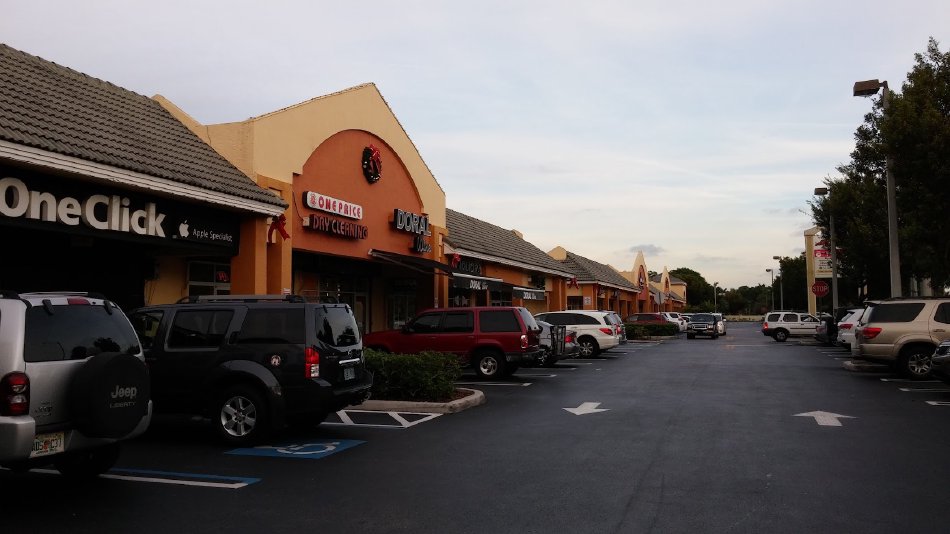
(470, 401)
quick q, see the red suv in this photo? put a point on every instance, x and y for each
(494, 340)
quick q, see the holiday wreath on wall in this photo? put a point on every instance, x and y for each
(372, 164)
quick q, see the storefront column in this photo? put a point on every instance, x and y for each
(249, 267)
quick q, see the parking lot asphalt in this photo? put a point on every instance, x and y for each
(738, 434)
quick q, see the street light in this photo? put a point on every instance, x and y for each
(781, 283)
(772, 286)
(822, 191)
(715, 294)
(868, 88)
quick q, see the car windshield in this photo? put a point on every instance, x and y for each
(702, 318)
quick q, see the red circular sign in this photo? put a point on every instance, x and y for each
(820, 288)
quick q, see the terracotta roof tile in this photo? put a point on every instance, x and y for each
(54, 108)
(468, 233)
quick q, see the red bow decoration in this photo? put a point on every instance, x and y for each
(279, 224)
(456, 259)
(572, 282)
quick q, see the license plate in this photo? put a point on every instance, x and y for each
(46, 444)
(349, 373)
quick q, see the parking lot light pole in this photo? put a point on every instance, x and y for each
(781, 283)
(715, 296)
(822, 191)
(868, 88)
(772, 287)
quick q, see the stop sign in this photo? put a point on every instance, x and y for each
(820, 288)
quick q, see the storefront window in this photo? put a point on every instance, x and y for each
(207, 278)
(459, 297)
(401, 302)
(575, 303)
(501, 298)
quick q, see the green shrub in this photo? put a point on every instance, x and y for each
(427, 376)
(645, 331)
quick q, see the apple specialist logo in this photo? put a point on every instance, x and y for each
(183, 228)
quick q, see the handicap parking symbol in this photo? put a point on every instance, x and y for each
(311, 450)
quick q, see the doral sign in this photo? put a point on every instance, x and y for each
(411, 222)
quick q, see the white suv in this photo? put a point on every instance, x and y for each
(595, 331)
(782, 325)
(73, 382)
(675, 318)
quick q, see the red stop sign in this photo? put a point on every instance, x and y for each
(820, 288)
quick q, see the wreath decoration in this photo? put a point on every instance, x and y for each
(372, 164)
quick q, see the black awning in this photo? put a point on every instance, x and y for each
(415, 263)
(527, 294)
(479, 283)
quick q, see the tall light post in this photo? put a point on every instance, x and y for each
(822, 191)
(715, 295)
(868, 88)
(781, 283)
(772, 286)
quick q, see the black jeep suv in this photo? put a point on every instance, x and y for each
(253, 363)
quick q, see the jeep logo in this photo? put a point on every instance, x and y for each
(124, 393)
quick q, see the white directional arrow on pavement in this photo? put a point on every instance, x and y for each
(825, 418)
(586, 408)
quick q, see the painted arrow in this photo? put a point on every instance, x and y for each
(825, 418)
(586, 408)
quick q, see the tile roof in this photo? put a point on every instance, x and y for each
(475, 235)
(56, 109)
(587, 270)
(673, 279)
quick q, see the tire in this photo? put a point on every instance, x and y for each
(489, 364)
(715, 336)
(547, 359)
(690, 336)
(915, 362)
(588, 347)
(240, 416)
(109, 395)
(780, 336)
(88, 463)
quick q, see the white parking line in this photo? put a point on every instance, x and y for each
(520, 375)
(939, 403)
(925, 390)
(522, 384)
(346, 420)
(237, 484)
(909, 380)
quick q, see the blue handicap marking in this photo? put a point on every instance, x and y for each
(311, 450)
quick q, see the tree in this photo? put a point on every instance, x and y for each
(792, 283)
(915, 132)
(698, 290)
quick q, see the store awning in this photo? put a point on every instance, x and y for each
(524, 293)
(479, 283)
(415, 263)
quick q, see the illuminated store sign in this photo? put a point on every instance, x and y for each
(329, 225)
(332, 205)
(415, 224)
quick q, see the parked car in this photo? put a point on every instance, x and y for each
(253, 364)
(904, 332)
(702, 324)
(495, 340)
(827, 330)
(782, 325)
(73, 382)
(618, 325)
(940, 362)
(846, 327)
(595, 331)
(675, 318)
(646, 318)
(557, 343)
(720, 323)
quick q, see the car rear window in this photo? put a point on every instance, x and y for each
(336, 326)
(498, 321)
(528, 319)
(75, 333)
(274, 325)
(895, 312)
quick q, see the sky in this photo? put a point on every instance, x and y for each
(692, 131)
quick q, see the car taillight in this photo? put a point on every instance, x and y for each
(311, 360)
(845, 326)
(76, 300)
(870, 332)
(524, 341)
(765, 325)
(15, 394)
(608, 331)
(569, 338)
(617, 329)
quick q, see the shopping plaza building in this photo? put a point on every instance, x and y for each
(106, 190)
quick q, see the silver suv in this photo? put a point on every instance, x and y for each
(781, 325)
(73, 382)
(904, 332)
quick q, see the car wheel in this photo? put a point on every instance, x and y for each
(88, 463)
(240, 416)
(915, 362)
(588, 347)
(547, 358)
(780, 335)
(489, 364)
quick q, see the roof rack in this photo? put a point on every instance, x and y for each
(240, 298)
(34, 294)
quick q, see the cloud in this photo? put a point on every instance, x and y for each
(648, 250)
